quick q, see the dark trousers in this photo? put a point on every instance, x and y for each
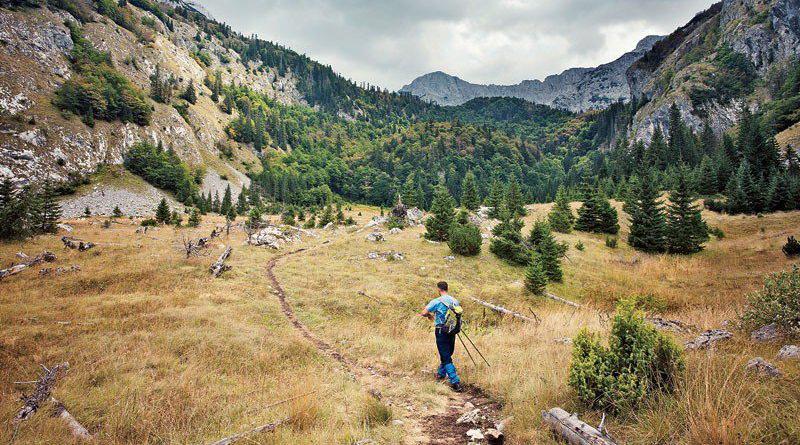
(446, 345)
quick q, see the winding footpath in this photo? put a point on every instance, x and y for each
(435, 426)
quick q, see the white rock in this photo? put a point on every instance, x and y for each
(789, 352)
(709, 338)
(395, 230)
(449, 258)
(763, 367)
(375, 237)
(475, 434)
(470, 417)
(765, 334)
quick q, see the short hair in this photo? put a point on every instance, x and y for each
(442, 285)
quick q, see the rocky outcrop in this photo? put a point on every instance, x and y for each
(767, 33)
(576, 89)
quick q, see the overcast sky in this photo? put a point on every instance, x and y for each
(482, 41)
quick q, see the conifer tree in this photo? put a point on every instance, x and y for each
(514, 202)
(560, 216)
(48, 209)
(648, 223)
(215, 204)
(464, 237)
(327, 216)
(539, 231)
(241, 202)
(686, 230)
(409, 193)
(190, 95)
(469, 192)
(507, 243)
(550, 253)
(740, 190)
(437, 226)
(163, 213)
(535, 277)
(194, 218)
(13, 211)
(607, 219)
(495, 200)
(707, 177)
(227, 202)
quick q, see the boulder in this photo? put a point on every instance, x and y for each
(375, 237)
(475, 434)
(789, 352)
(395, 230)
(669, 325)
(376, 221)
(709, 339)
(65, 227)
(274, 237)
(386, 256)
(766, 333)
(472, 417)
(763, 367)
(449, 258)
(414, 216)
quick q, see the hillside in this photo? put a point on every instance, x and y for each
(575, 89)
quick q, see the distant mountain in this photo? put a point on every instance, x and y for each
(576, 89)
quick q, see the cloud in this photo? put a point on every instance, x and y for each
(389, 43)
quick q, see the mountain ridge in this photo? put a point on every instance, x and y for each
(576, 89)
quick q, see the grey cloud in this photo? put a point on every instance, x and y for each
(489, 41)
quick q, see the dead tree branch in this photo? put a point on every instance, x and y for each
(569, 428)
(561, 300)
(502, 310)
(78, 431)
(44, 386)
(45, 256)
(257, 430)
(219, 266)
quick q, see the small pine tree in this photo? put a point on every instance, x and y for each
(409, 193)
(437, 226)
(686, 229)
(587, 213)
(507, 243)
(194, 218)
(117, 213)
(12, 211)
(241, 202)
(560, 216)
(215, 203)
(648, 224)
(514, 202)
(49, 211)
(535, 276)
(190, 95)
(464, 237)
(163, 213)
(227, 202)
(495, 200)
(87, 212)
(548, 251)
(288, 216)
(607, 219)
(469, 192)
(327, 216)
(176, 219)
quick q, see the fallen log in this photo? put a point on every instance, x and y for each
(74, 243)
(78, 431)
(569, 428)
(502, 310)
(44, 386)
(45, 256)
(257, 430)
(219, 266)
(561, 300)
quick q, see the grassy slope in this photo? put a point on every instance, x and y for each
(161, 353)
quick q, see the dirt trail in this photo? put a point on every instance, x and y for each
(437, 425)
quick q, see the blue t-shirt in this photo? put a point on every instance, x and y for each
(439, 309)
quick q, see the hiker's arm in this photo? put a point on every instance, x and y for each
(426, 313)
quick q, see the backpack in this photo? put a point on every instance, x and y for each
(452, 319)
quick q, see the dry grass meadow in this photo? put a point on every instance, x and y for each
(160, 353)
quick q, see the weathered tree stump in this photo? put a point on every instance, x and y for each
(45, 256)
(219, 266)
(74, 243)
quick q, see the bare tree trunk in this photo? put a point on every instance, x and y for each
(572, 430)
(260, 429)
(561, 300)
(219, 266)
(78, 431)
(74, 243)
(45, 256)
(501, 309)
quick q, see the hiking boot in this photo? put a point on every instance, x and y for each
(440, 377)
(457, 387)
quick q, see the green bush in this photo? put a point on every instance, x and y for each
(149, 222)
(637, 361)
(611, 242)
(778, 302)
(162, 168)
(465, 238)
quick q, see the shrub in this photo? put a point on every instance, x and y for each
(117, 212)
(535, 276)
(464, 237)
(778, 302)
(149, 222)
(716, 231)
(395, 223)
(611, 242)
(579, 246)
(637, 361)
(791, 248)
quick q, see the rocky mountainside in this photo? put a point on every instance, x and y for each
(576, 89)
(737, 53)
(38, 140)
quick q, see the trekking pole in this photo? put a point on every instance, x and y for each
(476, 348)
(468, 353)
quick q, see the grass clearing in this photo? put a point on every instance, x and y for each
(162, 353)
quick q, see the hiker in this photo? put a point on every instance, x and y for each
(445, 311)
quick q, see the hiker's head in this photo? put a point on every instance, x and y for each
(442, 286)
